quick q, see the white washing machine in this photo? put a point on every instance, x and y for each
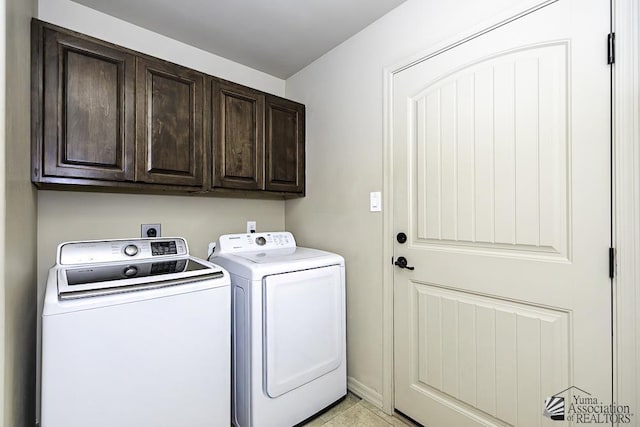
(289, 349)
(136, 333)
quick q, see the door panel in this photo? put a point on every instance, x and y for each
(239, 136)
(89, 109)
(284, 145)
(497, 181)
(467, 348)
(169, 140)
(501, 183)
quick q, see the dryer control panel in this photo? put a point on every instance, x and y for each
(236, 243)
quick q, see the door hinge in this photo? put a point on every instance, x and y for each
(611, 48)
(612, 262)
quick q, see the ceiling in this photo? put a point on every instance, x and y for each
(278, 37)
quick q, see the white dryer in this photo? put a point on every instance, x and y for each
(288, 328)
(136, 333)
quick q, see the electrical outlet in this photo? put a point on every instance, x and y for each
(251, 227)
(150, 230)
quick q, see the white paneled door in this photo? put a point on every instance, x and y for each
(501, 184)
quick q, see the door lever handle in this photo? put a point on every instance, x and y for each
(402, 263)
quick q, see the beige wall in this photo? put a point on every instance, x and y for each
(3, 326)
(343, 93)
(20, 224)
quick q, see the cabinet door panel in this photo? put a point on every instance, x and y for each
(284, 145)
(88, 109)
(238, 138)
(169, 140)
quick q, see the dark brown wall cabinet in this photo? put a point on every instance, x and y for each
(284, 145)
(108, 117)
(88, 112)
(170, 102)
(259, 140)
(238, 146)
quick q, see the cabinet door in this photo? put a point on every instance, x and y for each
(88, 113)
(169, 137)
(284, 152)
(238, 142)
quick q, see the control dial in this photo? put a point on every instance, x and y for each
(130, 271)
(261, 241)
(130, 250)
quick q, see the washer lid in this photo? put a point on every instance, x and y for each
(280, 255)
(91, 280)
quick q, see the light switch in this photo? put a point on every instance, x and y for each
(375, 201)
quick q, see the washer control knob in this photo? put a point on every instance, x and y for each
(130, 250)
(261, 241)
(130, 271)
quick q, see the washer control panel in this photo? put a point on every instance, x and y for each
(235, 243)
(98, 251)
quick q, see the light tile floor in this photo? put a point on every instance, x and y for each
(356, 412)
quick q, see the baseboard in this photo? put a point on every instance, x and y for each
(367, 393)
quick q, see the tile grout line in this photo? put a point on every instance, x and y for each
(388, 420)
(353, 407)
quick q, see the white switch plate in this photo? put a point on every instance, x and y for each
(251, 227)
(375, 201)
